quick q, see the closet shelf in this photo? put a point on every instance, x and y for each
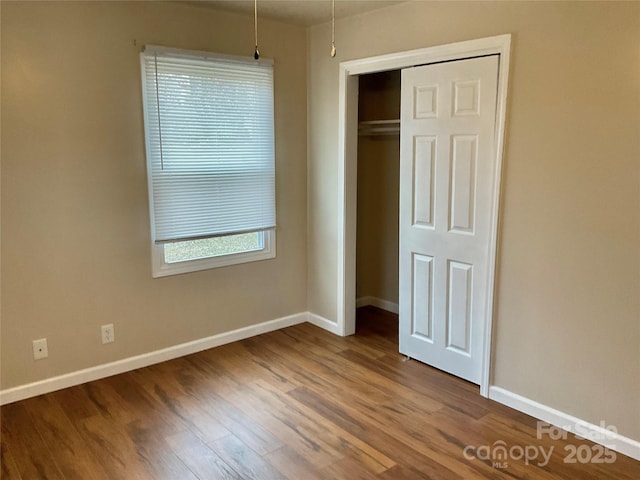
(379, 127)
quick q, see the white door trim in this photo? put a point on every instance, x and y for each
(347, 167)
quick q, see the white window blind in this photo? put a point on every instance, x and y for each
(210, 144)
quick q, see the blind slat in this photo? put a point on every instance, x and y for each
(210, 144)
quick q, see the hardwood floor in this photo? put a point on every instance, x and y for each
(298, 404)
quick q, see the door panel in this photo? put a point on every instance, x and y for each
(463, 182)
(447, 166)
(423, 166)
(422, 314)
(459, 306)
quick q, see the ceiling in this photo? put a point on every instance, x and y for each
(299, 12)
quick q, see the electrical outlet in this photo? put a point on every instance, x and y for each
(40, 349)
(108, 334)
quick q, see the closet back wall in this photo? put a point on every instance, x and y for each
(378, 190)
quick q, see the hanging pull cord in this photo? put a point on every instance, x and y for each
(333, 28)
(256, 53)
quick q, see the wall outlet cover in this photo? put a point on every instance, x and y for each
(40, 349)
(108, 333)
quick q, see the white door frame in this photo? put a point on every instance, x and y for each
(347, 168)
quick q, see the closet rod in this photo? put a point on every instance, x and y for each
(379, 127)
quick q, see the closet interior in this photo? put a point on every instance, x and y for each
(378, 190)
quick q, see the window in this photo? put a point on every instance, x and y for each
(210, 159)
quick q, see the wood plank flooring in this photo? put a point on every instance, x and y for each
(297, 404)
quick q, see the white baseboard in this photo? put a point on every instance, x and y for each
(113, 368)
(569, 423)
(614, 441)
(377, 302)
(323, 323)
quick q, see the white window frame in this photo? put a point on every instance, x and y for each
(161, 268)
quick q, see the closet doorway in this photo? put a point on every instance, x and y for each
(378, 205)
